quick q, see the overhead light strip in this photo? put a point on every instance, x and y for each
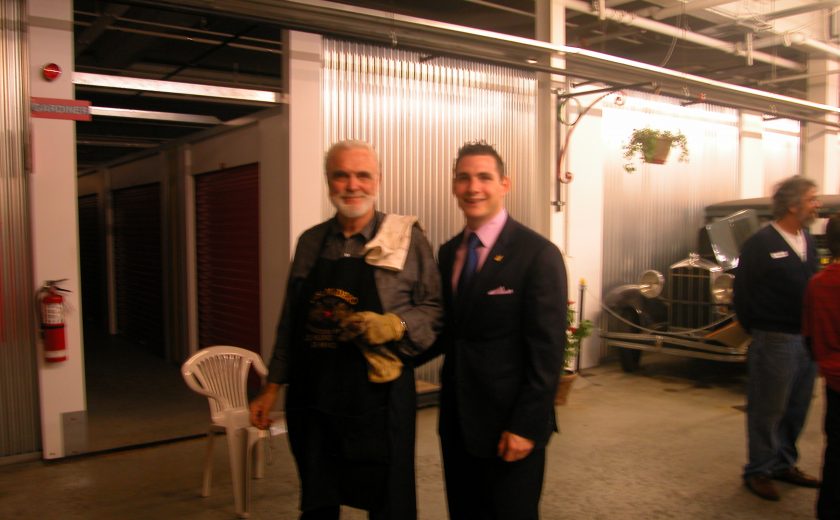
(769, 96)
(155, 116)
(175, 87)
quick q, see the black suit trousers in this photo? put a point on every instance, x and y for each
(488, 488)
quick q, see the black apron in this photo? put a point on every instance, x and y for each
(353, 440)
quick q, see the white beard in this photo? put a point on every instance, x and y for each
(352, 210)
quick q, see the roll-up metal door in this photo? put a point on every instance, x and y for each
(138, 266)
(91, 256)
(227, 256)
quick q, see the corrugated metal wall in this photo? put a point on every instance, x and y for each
(653, 216)
(417, 111)
(19, 418)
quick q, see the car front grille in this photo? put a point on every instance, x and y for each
(690, 297)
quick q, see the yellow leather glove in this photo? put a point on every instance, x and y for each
(373, 328)
(383, 365)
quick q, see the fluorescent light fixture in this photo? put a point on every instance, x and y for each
(175, 87)
(156, 116)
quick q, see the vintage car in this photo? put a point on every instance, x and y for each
(689, 312)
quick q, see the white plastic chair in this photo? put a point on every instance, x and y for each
(220, 373)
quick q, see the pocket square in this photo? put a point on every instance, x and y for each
(499, 290)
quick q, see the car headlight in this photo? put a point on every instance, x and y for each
(722, 289)
(651, 283)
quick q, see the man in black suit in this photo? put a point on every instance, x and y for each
(505, 330)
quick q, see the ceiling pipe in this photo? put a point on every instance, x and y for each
(821, 47)
(788, 39)
(631, 19)
(796, 77)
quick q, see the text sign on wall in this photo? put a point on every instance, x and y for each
(50, 108)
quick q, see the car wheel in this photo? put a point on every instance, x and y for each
(629, 357)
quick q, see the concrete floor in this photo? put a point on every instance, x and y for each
(664, 443)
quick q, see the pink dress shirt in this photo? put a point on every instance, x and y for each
(487, 234)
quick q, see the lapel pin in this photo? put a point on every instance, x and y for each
(499, 258)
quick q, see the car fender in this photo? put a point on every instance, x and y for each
(648, 311)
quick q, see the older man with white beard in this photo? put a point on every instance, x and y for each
(363, 299)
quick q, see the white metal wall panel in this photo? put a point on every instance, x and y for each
(417, 111)
(19, 423)
(653, 216)
(781, 145)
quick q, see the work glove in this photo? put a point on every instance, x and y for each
(383, 365)
(371, 327)
(371, 331)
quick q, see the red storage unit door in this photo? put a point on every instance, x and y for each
(138, 266)
(227, 257)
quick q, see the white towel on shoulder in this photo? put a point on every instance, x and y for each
(389, 248)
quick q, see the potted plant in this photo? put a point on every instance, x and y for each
(653, 146)
(574, 337)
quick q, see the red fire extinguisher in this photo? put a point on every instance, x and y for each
(52, 321)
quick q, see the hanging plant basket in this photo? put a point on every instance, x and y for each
(659, 151)
(653, 146)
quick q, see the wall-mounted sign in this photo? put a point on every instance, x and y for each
(50, 108)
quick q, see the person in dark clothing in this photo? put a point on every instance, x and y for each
(363, 299)
(772, 274)
(821, 328)
(505, 295)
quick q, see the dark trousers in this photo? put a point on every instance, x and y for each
(828, 503)
(488, 488)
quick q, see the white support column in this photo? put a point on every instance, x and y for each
(577, 229)
(585, 214)
(550, 27)
(820, 146)
(276, 240)
(751, 156)
(306, 131)
(55, 240)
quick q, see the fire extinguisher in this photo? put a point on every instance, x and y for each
(52, 321)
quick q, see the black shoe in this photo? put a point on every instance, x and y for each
(762, 486)
(797, 477)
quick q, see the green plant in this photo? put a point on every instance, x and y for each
(574, 334)
(643, 142)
